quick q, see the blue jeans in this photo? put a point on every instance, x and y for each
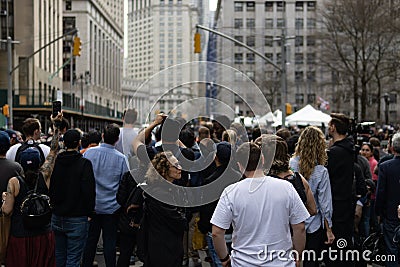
(108, 223)
(212, 252)
(70, 235)
(391, 248)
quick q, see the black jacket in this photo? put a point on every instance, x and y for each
(72, 185)
(388, 191)
(207, 211)
(341, 175)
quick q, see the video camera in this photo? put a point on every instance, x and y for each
(361, 132)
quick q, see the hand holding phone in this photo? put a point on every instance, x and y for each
(56, 108)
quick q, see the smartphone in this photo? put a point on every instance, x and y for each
(56, 108)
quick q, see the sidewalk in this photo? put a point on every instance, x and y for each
(101, 263)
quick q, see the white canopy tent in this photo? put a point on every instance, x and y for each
(308, 116)
(267, 118)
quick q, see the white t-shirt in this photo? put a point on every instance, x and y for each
(124, 144)
(260, 210)
(13, 151)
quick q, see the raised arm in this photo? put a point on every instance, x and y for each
(141, 137)
(48, 165)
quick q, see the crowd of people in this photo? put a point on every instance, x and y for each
(149, 193)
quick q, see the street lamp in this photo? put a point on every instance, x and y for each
(83, 78)
(387, 102)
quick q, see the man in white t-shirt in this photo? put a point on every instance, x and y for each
(32, 130)
(127, 133)
(261, 210)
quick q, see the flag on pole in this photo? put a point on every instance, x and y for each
(323, 104)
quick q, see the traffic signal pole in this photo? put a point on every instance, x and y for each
(10, 70)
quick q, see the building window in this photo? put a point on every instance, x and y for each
(299, 23)
(310, 58)
(299, 99)
(250, 58)
(311, 23)
(250, 74)
(251, 40)
(250, 6)
(310, 40)
(68, 5)
(311, 76)
(238, 58)
(280, 6)
(238, 6)
(269, 56)
(269, 6)
(298, 76)
(239, 76)
(299, 58)
(280, 23)
(278, 58)
(310, 6)
(299, 40)
(393, 98)
(299, 6)
(269, 41)
(310, 98)
(269, 23)
(250, 23)
(239, 38)
(238, 23)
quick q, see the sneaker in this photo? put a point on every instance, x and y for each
(95, 264)
(99, 251)
(185, 262)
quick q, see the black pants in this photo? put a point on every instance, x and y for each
(343, 232)
(314, 243)
(126, 246)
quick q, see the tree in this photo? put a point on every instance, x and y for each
(358, 38)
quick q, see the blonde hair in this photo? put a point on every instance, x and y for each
(311, 149)
(229, 136)
(159, 166)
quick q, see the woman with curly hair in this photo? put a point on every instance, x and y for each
(309, 159)
(163, 225)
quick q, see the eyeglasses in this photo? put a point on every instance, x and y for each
(177, 165)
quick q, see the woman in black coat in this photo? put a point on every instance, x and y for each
(164, 224)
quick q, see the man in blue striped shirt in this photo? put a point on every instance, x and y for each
(109, 165)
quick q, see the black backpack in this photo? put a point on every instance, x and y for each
(35, 208)
(26, 145)
(297, 183)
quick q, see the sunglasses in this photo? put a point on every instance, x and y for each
(177, 165)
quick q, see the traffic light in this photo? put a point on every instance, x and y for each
(76, 51)
(6, 110)
(197, 43)
(288, 109)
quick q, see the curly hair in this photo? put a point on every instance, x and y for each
(311, 149)
(159, 166)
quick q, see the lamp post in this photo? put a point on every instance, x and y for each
(387, 102)
(83, 78)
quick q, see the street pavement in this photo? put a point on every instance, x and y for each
(101, 263)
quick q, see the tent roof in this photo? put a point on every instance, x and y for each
(308, 116)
